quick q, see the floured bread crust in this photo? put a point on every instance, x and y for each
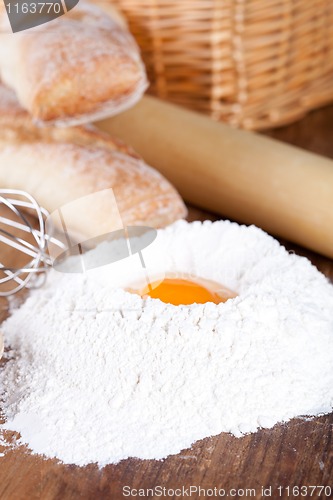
(57, 166)
(83, 66)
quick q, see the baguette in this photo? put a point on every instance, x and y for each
(59, 165)
(80, 67)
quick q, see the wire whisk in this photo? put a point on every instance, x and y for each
(32, 244)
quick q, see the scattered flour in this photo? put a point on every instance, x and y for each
(98, 374)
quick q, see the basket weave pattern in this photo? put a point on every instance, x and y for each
(252, 63)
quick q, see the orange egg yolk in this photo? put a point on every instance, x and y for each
(185, 292)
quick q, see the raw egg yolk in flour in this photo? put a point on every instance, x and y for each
(186, 291)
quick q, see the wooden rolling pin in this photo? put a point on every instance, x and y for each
(241, 175)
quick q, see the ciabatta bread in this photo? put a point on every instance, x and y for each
(75, 69)
(58, 165)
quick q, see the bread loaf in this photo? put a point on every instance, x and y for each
(81, 66)
(58, 165)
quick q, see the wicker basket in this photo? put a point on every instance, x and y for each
(252, 63)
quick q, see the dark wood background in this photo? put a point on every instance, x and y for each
(297, 453)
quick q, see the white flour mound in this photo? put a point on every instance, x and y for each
(98, 374)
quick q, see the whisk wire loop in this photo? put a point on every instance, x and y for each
(18, 201)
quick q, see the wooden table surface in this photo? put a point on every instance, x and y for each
(294, 454)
